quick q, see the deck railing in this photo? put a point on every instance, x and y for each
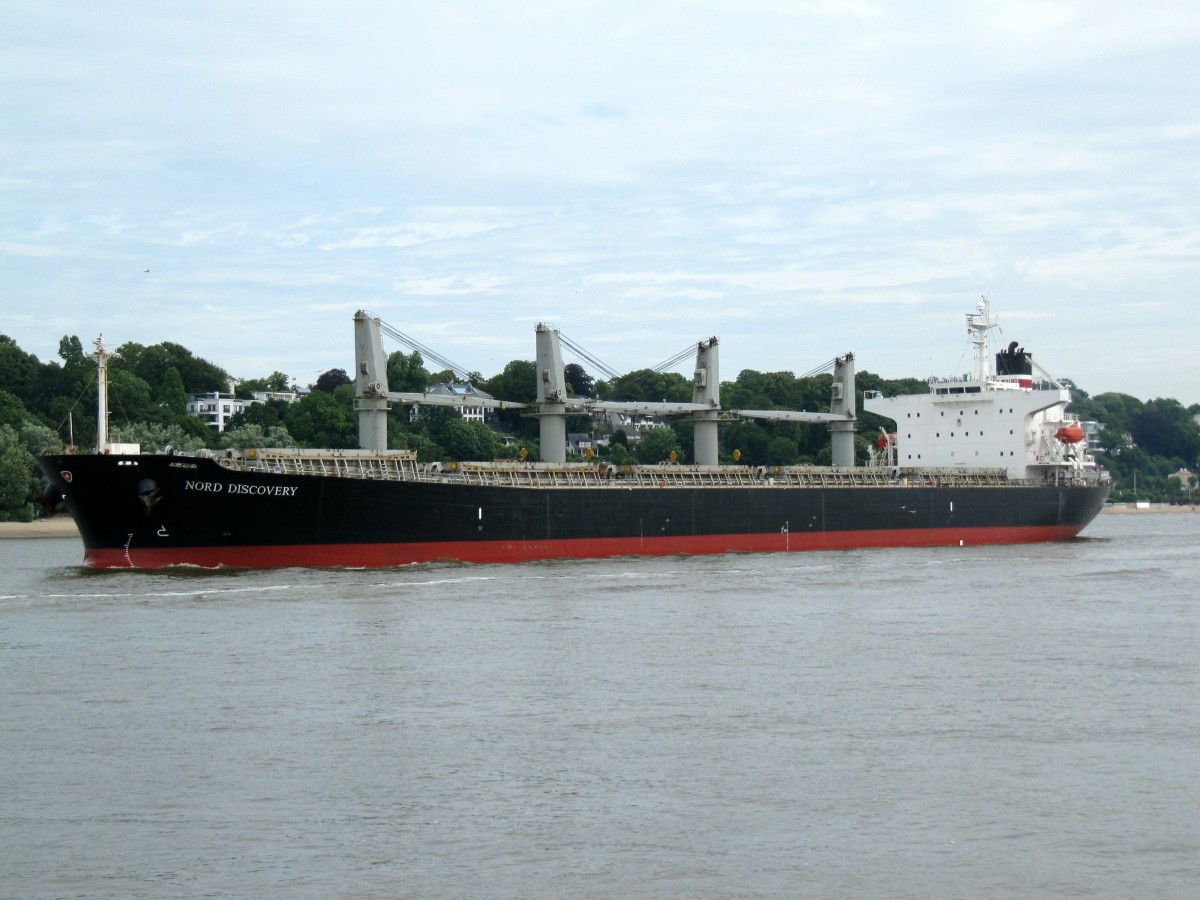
(403, 466)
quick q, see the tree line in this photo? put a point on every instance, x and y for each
(47, 405)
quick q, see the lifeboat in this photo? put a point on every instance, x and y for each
(1071, 433)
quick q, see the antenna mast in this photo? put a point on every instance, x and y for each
(979, 323)
(101, 357)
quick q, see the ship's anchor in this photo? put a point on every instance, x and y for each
(149, 493)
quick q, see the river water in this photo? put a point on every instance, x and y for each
(951, 722)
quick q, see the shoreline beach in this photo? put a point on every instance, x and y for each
(55, 527)
(1127, 508)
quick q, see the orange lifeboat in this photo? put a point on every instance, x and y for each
(1071, 433)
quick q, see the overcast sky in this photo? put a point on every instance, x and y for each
(800, 178)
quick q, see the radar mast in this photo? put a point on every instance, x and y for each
(101, 357)
(979, 323)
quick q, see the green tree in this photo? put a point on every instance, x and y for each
(155, 437)
(18, 369)
(685, 433)
(1164, 428)
(468, 440)
(262, 414)
(750, 439)
(14, 486)
(1112, 440)
(151, 363)
(331, 380)
(578, 380)
(71, 352)
(648, 386)
(781, 451)
(59, 387)
(31, 441)
(433, 419)
(324, 419)
(12, 410)
(129, 396)
(427, 449)
(518, 383)
(1113, 409)
(19, 473)
(255, 436)
(38, 440)
(656, 445)
(171, 395)
(277, 382)
(406, 373)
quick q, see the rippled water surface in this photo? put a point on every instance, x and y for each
(951, 722)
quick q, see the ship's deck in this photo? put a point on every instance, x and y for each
(404, 467)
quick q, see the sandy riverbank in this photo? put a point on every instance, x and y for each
(59, 526)
(1150, 510)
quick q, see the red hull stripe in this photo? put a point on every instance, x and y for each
(375, 555)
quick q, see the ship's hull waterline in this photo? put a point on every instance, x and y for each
(151, 511)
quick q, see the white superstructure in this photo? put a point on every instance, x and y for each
(996, 419)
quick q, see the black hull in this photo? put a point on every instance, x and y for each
(151, 511)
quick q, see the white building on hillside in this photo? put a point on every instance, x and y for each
(216, 408)
(470, 412)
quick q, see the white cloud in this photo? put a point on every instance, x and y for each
(804, 173)
(452, 286)
(20, 248)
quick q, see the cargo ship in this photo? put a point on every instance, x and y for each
(989, 458)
